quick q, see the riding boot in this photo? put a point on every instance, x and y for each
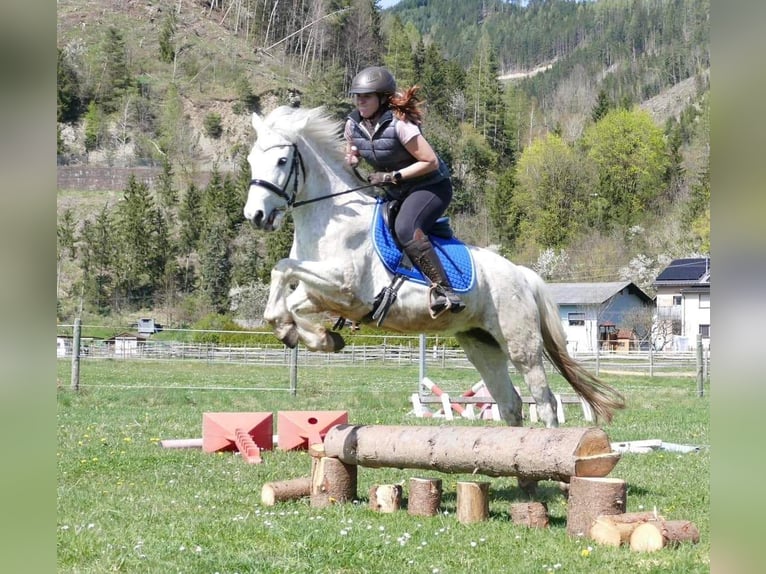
(421, 252)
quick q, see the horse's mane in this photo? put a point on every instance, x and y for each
(314, 124)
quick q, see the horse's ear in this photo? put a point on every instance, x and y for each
(257, 121)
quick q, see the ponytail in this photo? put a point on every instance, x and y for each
(407, 106)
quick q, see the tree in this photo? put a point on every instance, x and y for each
(98, 247)
(503, 211)
(631, 159)
(399, 56)
(115, 78)
(215, 265)
(94, 127)
(602, 106)
(135, 217)
(66, 234)
(551, 192)
(167, 34)
(190, 218)
(68, 103)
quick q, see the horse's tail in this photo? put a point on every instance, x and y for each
(602, 398)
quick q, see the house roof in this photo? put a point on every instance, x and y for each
(592, 293)
(685, 271)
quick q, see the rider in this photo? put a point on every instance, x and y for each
(385, 131)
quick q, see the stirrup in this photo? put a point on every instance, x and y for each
(439, 302)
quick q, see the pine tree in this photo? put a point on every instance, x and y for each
(215, 265)
(98, 247)
(68, 103)
(167, 36)
(135, 215)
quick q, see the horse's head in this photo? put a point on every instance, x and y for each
(295, 147)
(277, 171)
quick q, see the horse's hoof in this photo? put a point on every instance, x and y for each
(290, 339)
(337, 341)
(528, 486)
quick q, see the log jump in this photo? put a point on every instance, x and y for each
(533, 453)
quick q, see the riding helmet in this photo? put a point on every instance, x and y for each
(375, 79)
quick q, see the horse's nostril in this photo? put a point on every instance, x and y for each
(257, 219)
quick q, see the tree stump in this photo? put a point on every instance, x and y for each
(657, 534)
(284, 490)
(615, 529)
(332, 481)
(385, 497)
(472, 502)
(425, 496)
(532, 514)
(591, 497)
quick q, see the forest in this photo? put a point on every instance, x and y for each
(577, 134)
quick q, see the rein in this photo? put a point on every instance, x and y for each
(295, 167)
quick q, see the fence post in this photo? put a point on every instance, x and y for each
(76, 355)
(422, 359)
(651, 358)
(598, 358)
(700, 373)
(294, 370)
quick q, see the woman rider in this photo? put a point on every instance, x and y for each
(385, 131)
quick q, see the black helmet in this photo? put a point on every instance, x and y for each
(375, 79)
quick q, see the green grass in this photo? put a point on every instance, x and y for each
(125, 504)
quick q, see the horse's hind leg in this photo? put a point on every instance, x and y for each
(537, 382)
(492, 363)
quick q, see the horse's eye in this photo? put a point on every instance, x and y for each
(282, 161)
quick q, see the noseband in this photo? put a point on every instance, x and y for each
(295, 166)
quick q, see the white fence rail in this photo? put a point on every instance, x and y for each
(396, 351)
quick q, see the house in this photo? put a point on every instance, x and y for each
(126, 344)
(683, 303)
(596, 314)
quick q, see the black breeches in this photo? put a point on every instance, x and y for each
(421, 208)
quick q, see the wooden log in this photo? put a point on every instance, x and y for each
(532, 514)
(536, 453)
(332, 481)
(472, 501)
(591, 497)
(181, 443)
(425, 496)
(605, 532)
(620, 526)
(284, 490)
(656, 534)
(386, 497)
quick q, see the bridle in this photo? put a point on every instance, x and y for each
(296, 165)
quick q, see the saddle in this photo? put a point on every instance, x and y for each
(453, 253)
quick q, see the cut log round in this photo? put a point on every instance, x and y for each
(591, 497)
(425, 496)
(332, 481)
(284, 490)
(386, 497)
(472, 502)
(656, 534)
(535, 453)
(623, 524)
(532, 514)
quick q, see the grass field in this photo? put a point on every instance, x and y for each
(125, 504)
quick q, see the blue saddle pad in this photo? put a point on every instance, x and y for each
(453, 253)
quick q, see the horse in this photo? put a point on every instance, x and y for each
(297, 165)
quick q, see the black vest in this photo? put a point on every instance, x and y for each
(384, 152)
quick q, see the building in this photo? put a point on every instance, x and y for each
(596, 314)
(683, 303)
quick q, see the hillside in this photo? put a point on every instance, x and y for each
(168, 86)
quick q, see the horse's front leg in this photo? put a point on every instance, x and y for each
(292, 312)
